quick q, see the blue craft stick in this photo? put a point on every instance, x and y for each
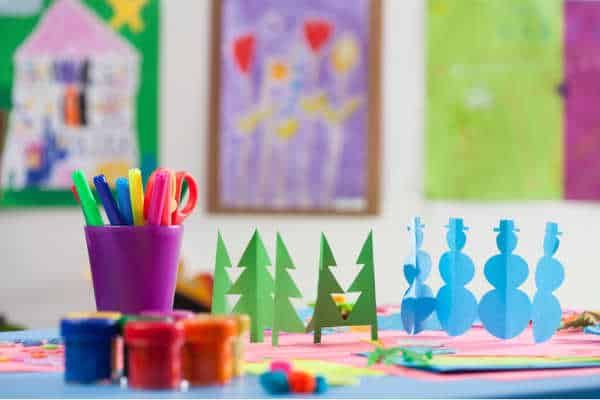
(108, 201)
(124, 200)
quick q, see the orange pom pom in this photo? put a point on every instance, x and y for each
(301, 382)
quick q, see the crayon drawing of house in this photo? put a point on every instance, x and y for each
(74, 96)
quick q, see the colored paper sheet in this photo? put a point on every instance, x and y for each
(336, 374)
(494, 115)
(581, 90)
(446, 364)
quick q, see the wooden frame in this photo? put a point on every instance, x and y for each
(373, 126)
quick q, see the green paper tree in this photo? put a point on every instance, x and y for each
(326, 313)
(255, 287)
(222, 282)
(364, 311)
(285, 317)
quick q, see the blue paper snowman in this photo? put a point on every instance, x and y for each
(505, 311)
(456, 306)
(549, 275)
(418, 302)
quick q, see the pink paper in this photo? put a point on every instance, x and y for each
(342, 348)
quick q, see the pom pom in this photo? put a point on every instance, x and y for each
(321, 385)
(301, 382)
(274, 382)
(283, 366)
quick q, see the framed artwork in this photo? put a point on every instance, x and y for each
(294, 121)
(82, 81)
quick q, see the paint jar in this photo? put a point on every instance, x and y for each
(175, 315)
(207, 353)
(93, 314)
(239, 342)
(88, 349)
(154, 354)
(123, 352)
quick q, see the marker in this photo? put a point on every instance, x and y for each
(87, 200)
(74, 190)
(157, 200)
(124, 200)
(108, 201)
(170, 203)
(136, 192)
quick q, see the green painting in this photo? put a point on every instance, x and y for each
(82, 81)
(494, 107)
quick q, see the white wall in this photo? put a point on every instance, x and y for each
(43, 251)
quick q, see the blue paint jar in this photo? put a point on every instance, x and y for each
(88, 349)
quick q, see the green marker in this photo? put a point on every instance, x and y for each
(87, 200)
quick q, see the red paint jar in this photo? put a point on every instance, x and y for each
(207, 353)
(154, 354)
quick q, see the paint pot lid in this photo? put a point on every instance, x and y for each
(88, 327)
(175, 315)
(153, 332)
(209, 328)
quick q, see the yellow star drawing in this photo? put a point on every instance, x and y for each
(127, 12)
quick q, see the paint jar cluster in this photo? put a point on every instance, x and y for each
(153, 350)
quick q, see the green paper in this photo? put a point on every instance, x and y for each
(222, 282)
(255, 285)
(326, 313)
(494, 114)
(336, 374)
(285, 317)
(364, 310)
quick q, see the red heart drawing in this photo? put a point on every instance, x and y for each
(317, 32)
(243, 52)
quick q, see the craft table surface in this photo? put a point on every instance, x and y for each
(30, 384)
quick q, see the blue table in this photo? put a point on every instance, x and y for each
(52, 385)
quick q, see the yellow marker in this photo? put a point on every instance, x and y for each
(136, 192)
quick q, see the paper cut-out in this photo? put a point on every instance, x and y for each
(418, 302)
(549, 275)
(255, 285)
(364, 311)
(285, 317)
(505, 311)
(326, 313)
(221, 280)
(455, 305)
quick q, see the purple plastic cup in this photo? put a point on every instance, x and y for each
(134, 268)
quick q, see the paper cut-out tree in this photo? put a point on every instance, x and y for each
(285, 317)
(364, 311)
(326, 313)
(255, 287)
(222, 282)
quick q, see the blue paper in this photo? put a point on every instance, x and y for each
(418, 302)
(549, 275)
(505, 311)
(456, 306)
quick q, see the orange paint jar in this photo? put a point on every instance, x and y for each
(207, 352)
(239, 342)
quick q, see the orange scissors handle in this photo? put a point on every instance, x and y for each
(182, 213)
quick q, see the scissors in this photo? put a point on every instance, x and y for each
(173, 213)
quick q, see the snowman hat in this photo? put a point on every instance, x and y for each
(417, 223)
(456, 223)
(506, 225)
(552, 228)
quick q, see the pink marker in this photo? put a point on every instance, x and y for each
(157, 199)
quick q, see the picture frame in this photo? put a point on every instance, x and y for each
(240, 67)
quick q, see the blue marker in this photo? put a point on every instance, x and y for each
(108, 201)
(124, 200)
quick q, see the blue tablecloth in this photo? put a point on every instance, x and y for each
(52, 385)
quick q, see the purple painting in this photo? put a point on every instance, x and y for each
(294, 104)
(582, 100)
